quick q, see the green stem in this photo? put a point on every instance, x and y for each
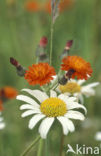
(46, 147)
(30, 146)
(40, 148)
(43, 88)
(62, 143)
(51, 41)
(55, 83)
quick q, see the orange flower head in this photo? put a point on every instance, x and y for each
(9, 92)
(40, 73)
(1, 105)
(32, 6)
(76, 67)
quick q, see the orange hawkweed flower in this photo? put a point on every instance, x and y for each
(40, 73)
(76, 67)
(9, 92)
(1, 105)
(32, 6)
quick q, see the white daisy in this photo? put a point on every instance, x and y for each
(98, 136)
(2, 124)
(75, 88)
(50, 108)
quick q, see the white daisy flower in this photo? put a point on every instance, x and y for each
(98, 136)
(75, 88)
(50, 108)
(2, 124)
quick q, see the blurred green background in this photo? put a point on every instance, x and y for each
(20, 33)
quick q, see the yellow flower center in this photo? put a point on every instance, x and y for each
(70, 87)
(53, 107)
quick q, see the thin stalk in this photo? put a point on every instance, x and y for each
(40, 148)
(46, 147)
(30, 146)
(61, 145)
(51, 40)
(43, 88)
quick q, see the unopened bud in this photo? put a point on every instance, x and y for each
(63, 80)
(68, 44)
(66, 49)
(42, 57)
(43, 42)
(14, 62)
(20, 70)
(69, 73)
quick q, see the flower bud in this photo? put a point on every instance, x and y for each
(43, 42)
(42, 57)
(14, 62)
(66, 49)
(63, 80)
(20, 70)
(69, 73)
(68, 45)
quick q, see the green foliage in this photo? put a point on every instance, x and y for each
(20, 33)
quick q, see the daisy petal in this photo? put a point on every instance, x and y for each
(45, 126)
(70, 125)
(88, 91)
(75, 105)
(26, 106)
(34, 120)
(98, 136)
(66, 98)
(2, 125)
(29, 112)
(80, 82)
(63, 121)
(66, 123)
(75, 115)
(81, 98)
(39, 95)
(28, 100)
(93, 84)
(1, 119)
(53, 93)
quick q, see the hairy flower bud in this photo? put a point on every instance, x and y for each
(63, 80)
(14, 62)
(20, 70)
(69, 44)
(43, 42)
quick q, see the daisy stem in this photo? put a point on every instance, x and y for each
(61, 145)
(40, 147)
(30, 146)
(46, 147)
(51, 39)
